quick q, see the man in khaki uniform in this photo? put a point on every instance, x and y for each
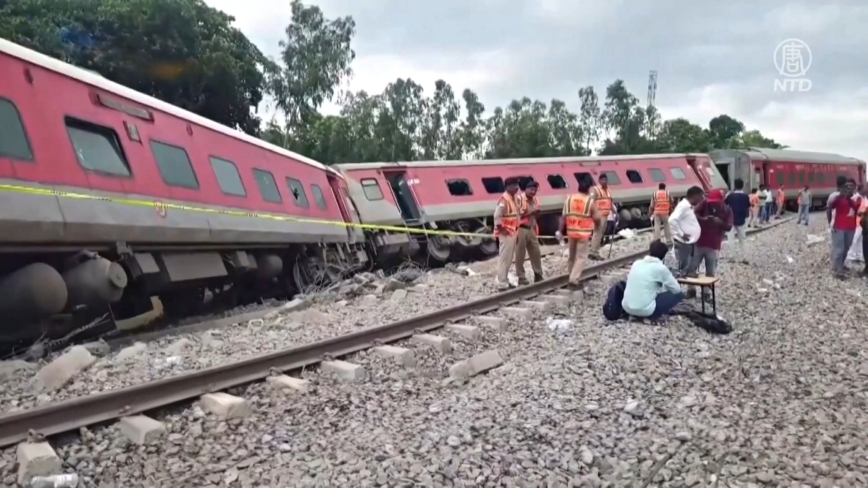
(506, 231)
(661, 204)
(528, 235)
(580, 220)
(603, 201)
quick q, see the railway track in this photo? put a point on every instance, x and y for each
(65, 416)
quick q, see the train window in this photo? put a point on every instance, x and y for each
(318, 196)
(557, 182)
(656, 174)
(13, 138)
(677, 173)
(634, 176)
(97, 148)
(372, 189)
(820, 178)
(227, 177)
(493, 185)
(612, 177)
(792, 178)
(523, 181)
(267, 186)
(174, 165)
(459, 188)
(780, 176)
(801, 178)
(298, 194)
(584, 178)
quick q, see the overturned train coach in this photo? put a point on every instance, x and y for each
(461, 195)
(111, 197)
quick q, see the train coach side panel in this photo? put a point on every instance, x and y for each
(373, 197)
(140, 207)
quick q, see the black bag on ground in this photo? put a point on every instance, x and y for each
(709, 323)
(612, 308)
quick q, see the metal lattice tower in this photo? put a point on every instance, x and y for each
(652, 87)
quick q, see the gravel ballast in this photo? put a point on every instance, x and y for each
(365, 301)
(779, 402)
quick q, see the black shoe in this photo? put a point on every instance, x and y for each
(537, 278)
(523, 282)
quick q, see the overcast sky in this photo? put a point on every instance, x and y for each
(711, 57)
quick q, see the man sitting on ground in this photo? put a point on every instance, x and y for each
(651, 289)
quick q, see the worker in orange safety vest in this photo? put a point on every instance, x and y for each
(580, 221)
(782, 199)
(527, 243)
(506, 219)
(754, 208)
(661, 206)
(603, 201)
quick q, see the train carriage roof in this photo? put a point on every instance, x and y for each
(804, 157)
(511, 162)
(98, 81)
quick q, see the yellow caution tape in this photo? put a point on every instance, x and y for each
(163, 207)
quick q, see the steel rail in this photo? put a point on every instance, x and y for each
(69, 415)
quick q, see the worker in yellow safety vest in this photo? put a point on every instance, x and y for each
(527, 243)
(506, 218)
(581, 220)
(603, 202)
(661, 205)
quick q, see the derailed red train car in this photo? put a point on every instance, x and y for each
(787, 169)
(461, 195)
(110, 196)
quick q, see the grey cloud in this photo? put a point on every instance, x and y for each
(563, 45)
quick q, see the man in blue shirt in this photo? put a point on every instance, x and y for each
(651, 289)
(739, 203)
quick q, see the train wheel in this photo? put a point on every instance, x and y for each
(466, 242)
(439, 248)
(309, 274)
(488, 247)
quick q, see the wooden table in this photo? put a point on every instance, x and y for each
(703, 282)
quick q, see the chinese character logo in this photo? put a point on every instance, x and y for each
(793, 58)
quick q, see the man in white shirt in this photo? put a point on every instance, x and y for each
(651, 289)
(685, 228)
(768, 197)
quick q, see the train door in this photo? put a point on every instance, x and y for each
(403, 195)
(699, 171)
(345, 205)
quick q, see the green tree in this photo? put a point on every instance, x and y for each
(680, 135)
(472, 128)
(753, 138)
(441, 137)
(315, 59)
(590, 118)
(180, 51)
(725, 131)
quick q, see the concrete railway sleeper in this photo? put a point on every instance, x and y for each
(474, 322)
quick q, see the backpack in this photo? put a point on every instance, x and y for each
(612, 308)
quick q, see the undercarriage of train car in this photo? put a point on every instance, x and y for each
(45, 294)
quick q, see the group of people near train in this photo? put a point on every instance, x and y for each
(695, 230)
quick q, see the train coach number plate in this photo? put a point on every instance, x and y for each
(162, 211)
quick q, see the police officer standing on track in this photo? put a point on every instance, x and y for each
(506, 218)
(661, 204)
(527, 243)
(603, 202)
(580, 220)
